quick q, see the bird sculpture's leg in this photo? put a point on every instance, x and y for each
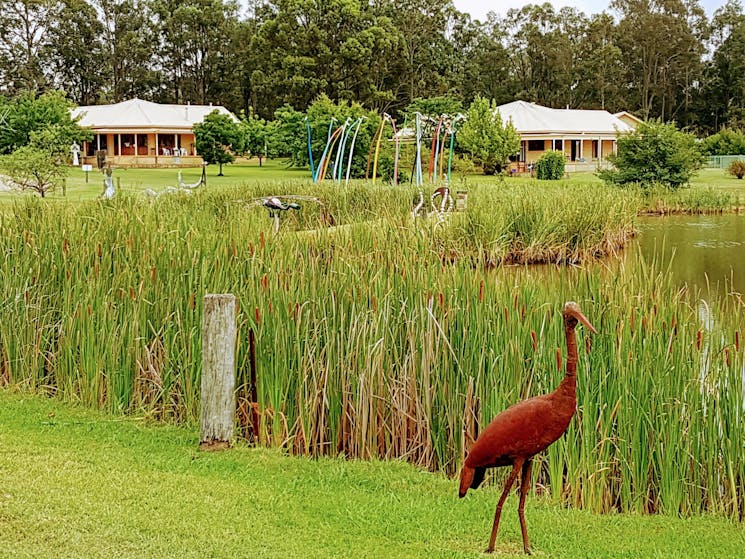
(507, 485)
(524, 488)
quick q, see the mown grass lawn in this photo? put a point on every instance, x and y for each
(74, 483)
(135, 181)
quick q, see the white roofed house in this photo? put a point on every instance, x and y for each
(137, 133)
(586, 137)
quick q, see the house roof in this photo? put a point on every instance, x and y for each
(631, 119)
(136, 114)
(532, 119)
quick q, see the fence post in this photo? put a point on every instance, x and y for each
(461, 200)
(218, 372)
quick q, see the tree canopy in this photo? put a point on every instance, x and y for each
(218, 138)
(33, 168)
(489, 140)
(658, 59)
(28, 113)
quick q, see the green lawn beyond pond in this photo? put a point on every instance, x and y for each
(245, 172)
(80, 484)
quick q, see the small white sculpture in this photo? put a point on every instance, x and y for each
(75, 150)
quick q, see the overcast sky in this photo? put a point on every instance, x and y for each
(479, 8)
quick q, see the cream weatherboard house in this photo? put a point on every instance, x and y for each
(586, 137)
(139, 133)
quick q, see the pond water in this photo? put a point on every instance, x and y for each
(701, 250)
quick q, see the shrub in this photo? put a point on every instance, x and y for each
(725, 142)
(654, 153)
(736, 168)
(550, 166)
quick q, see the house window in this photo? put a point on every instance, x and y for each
(536, 145)
(559, 145)
(128, 144)
(594, 149)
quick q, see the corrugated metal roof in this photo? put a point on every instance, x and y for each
(137, 113)
(529, 118)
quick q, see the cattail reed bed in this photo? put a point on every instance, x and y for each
(370, 344)
(659, 200)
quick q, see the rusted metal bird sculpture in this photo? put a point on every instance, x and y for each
(275, 205)
(523, 430)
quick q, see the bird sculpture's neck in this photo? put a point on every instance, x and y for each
(568, 386)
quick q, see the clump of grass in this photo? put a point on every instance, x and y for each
(551, 224)
(660, 200)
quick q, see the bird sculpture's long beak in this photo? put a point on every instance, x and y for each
(583, 319)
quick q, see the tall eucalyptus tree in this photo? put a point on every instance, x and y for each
(129, 45)
(23, 37)
(662, 44)
(76, 51)
(195, 53)
(725, 76)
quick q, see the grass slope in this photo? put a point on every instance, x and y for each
(80, 484)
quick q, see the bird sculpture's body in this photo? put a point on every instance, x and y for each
(275, 205)
(523, 430)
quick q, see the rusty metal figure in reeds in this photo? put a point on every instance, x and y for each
(523, 430)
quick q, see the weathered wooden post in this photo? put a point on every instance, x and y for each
(218, 372)
(461, 200)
